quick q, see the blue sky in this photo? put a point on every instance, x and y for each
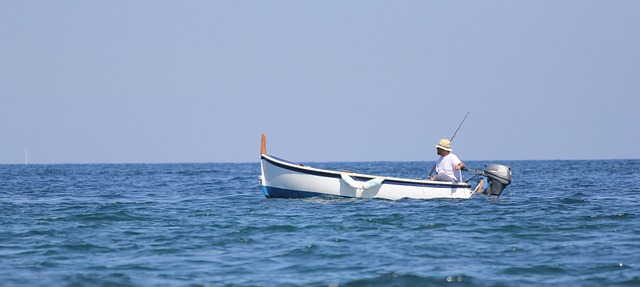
(200, 81)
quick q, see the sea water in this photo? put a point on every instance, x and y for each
(561, 223)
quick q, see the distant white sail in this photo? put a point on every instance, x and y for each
(27, 159)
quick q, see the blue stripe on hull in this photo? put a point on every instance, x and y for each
(274, 192)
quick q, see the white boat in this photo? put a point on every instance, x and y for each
(283, 179)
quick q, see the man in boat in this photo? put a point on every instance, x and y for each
(448, 167)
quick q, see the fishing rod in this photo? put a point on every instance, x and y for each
(451, 140)
(454, 134)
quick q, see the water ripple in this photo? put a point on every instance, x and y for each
(210, 225)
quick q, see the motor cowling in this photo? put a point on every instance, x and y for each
(498, 176)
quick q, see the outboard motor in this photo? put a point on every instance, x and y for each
(498, 176)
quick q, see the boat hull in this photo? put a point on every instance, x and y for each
(283, 179)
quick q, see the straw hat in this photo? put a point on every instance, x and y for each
(444, 144)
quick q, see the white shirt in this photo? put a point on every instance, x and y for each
(447, 165)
